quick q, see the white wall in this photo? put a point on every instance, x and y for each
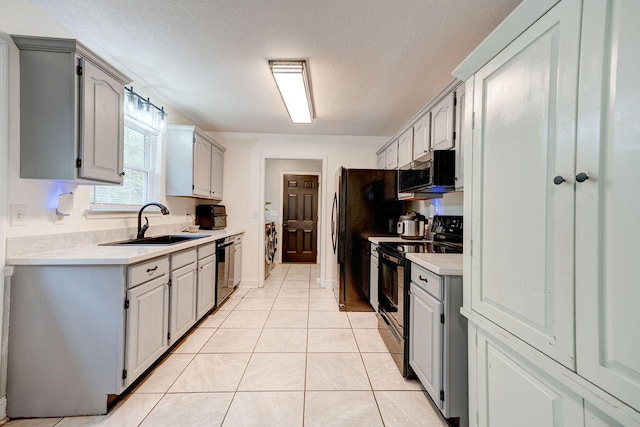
(244, 163)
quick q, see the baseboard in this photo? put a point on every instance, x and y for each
(329, 284)
(249, 283)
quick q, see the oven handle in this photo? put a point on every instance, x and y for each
(391, 328)
(391, 258)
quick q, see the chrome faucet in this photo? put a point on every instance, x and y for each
(143, 228)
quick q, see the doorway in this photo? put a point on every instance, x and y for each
(300, 218)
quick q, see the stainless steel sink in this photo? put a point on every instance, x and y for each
(169, 239)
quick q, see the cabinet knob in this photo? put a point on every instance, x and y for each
(122, 173)
(582, 177)
(558, 180)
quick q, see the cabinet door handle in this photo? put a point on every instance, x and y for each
(424, 279)
(149, 270)
(558, 180)
(582, 177)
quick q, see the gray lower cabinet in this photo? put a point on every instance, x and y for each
(72, 112)
(147, 312)
(81, 334)
(206, 297)
(182, 303)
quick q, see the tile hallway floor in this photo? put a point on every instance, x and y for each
(281, 355)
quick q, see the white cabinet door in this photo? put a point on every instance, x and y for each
(421, 137)
(425, 340)
(183, 301)
(147, 321)
(460, 120)
(510, 392)
(391, 156)
(202, 167)
(405, 149)
(607, 203)
(381, 160)
(102, 125)
(523, 137)
(206, 285)
(442, 124)
(217, 172)
(373, 278)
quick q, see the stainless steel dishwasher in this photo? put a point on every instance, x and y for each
(224, 269)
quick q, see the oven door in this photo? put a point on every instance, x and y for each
(391, 285)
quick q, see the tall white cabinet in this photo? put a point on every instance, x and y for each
(551, 193)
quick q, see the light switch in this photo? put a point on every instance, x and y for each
(17, 213)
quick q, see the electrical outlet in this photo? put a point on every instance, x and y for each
(17, 213)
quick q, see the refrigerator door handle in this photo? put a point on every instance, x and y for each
(334, 223)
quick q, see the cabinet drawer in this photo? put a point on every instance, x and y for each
(237, 238)
(206, 250)
(427, 280)
(145, 271)
(182, 258)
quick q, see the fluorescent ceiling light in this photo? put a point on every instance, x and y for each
(293, 84)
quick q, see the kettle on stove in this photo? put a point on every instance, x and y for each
(411, 225)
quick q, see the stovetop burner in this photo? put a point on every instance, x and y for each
(430, 247)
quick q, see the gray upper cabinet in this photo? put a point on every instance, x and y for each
(71, 113)
(442, 131)
(195, 164)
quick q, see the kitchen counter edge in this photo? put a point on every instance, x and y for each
(441, 264)
(118, 255)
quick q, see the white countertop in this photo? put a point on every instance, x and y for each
(378, 239)
(120, 255)
(441, 264)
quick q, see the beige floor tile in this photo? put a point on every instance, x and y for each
(296, 283)
(331, 341)
(293, 293)
(336, 371)
(287, 319)
(255, 304)
(321, 294)
(341, 408)
(266, 409)
(297, 276)
(369, 341)
(300, 267)
(214, 320)
(189, 409)
(130, 412)
(262, 293)
(325, 304)
(212, 372)
(363, 320)
(239, 292)
(194, 342)
(165, 374)
(245, 319)
(232, 340)
(282, 341)
(274, 372)
(36, 422)
(403, 408)
(328, 319)
(291, 304)
(385, 375)
(230, 304)
(273, 284)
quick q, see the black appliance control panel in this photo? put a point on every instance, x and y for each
(447, 228)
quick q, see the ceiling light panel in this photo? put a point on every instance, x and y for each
(293, 84)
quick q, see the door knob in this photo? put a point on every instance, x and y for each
(558, 180)
(582, 177)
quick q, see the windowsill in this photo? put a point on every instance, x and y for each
(115, 213)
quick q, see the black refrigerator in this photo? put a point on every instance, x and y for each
(365, 204)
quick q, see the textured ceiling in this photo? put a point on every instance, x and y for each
(373, 63)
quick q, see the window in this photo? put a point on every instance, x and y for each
(141, 183)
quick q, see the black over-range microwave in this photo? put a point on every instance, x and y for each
(435, 175)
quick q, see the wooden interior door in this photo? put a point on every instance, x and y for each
(300, 219)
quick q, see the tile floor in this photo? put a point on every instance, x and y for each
(281, 355)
